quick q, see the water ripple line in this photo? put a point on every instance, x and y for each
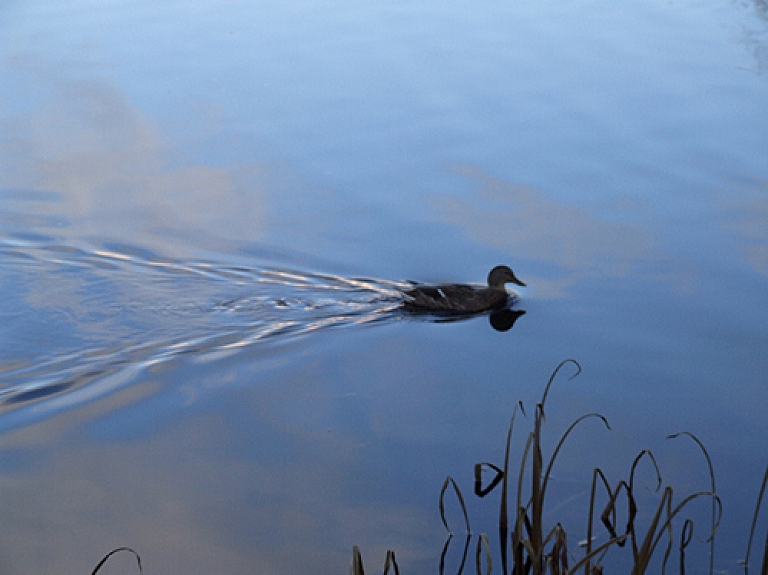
(131, 309)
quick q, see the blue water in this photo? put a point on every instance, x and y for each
(207, 210)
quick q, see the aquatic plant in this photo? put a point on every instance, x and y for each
(758, 506)
(356, 568)
(527, 546)
(113, 552)
(537, 548)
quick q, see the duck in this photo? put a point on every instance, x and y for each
(462, 299)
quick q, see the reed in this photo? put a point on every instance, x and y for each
(528, 546)
(113, 552)
(538, 549)
(758, 506)
(356, 568)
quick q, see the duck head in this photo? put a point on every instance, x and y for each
(501, 275)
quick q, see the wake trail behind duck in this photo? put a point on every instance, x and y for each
(121, 310)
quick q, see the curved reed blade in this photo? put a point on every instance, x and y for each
(464, 554)
(652, 457)
(657, 530)
(114, 551)
(685, 538)
(481, 491)
(504, 509)
(356, 567)
(711, 470)
(598, 477)
(483, 545)
(554, 375)
(449, 481)
(560, 445)
(390, 562)
(609, 515)
(752, 529)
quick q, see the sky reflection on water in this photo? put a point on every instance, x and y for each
(613, 155)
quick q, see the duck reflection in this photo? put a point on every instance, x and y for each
(503, 320)
(451, 302)
(500, 319)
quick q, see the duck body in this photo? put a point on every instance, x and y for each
(455, 298)
(460, 298)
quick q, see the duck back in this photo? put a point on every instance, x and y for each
(454, 298)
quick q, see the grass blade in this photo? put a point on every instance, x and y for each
(560, 444)
(356, 567)
(390, 562)
(464, 554)
(754, 525)
(118, 550)
(554, 375)
(711, 470)
(483, 545)
(480, 491)
(504, 509)
(449, 481)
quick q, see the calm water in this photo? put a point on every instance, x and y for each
(207, 209)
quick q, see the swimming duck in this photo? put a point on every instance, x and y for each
(463, 299)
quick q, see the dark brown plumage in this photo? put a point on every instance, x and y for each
(463, 299)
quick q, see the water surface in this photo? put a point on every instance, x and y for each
(207, 211)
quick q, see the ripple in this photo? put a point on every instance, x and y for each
(122, 309)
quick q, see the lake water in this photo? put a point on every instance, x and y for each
(207, 210)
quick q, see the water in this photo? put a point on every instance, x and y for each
(207, 211)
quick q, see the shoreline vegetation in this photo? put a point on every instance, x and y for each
(528, 546)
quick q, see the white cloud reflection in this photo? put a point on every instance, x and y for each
(119, 177)
(525, 223)
(226, 490)
(746, 217)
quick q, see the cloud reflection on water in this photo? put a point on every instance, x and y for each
(746, 216)
(117, 176)
(526, 224)
(250, 484)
